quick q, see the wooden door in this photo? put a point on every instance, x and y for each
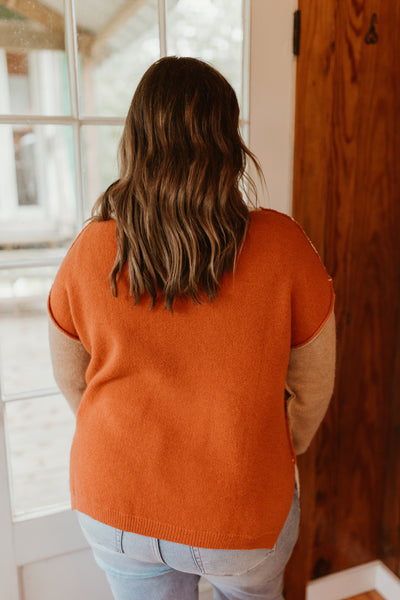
(347, 197)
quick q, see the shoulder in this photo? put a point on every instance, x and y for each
(279, 225)
(96, 243)
(286, 238)
(273, 218)
(95, 236)
(96, 230)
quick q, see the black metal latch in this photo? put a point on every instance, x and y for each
(296, 32)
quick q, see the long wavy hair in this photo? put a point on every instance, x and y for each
(178, 203)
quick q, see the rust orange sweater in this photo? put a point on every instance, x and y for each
(182, 432)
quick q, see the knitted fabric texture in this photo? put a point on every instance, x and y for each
(182, 432)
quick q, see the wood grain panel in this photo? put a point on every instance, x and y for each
(359, 209)
(314, 97)
(389, 547)
(346, 195)
(373, 595)
(314, 106)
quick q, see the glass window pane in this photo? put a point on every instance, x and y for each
(123, 43)
(39, 435)
(211, 30)
(24, 347)
(33, 64)
(100, 146)
(37, 186)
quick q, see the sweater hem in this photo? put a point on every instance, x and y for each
(174, 533)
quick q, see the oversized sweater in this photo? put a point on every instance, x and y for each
(182, 432)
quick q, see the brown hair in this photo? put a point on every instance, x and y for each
(181, 218)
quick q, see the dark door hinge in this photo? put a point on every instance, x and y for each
(296, 32)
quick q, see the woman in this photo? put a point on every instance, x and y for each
(195, 341)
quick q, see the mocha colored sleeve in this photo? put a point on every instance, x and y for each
(310, 383)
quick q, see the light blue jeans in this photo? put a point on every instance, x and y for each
(145, 568)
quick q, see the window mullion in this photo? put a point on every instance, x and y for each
(71, 44)
(31, 395)
(77, 132)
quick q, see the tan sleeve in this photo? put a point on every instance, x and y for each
(310, 383)
(70, 361)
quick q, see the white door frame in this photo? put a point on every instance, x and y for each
(8, 565)
(272, 97)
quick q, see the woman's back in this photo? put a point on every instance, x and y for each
(184, 412)
(180, 322)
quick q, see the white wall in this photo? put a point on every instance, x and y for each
(272, 93)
